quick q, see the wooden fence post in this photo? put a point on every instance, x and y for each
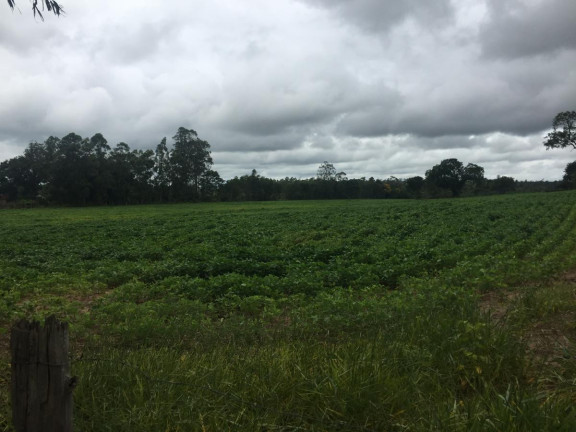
(41, 386)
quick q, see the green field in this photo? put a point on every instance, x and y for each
(321, 315)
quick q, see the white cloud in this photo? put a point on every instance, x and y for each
(378, 88)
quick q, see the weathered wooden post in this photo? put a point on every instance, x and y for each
(41, 385)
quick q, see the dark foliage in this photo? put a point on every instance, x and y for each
(452, 175)
(448, 174)
(49, 5)
(564, 131)
(503, 184)
(569, 179)
(79, 171)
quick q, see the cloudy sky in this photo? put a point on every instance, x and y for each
(377, 87)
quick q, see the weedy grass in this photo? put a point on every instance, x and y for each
(320, 316)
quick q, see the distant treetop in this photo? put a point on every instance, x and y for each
(326, 171)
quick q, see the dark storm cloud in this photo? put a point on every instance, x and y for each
(515, 97)
(285, 117)
(292, 107)
(447, 117)
(382, 15)
(234, 142)
(445, 89)
(519, 29)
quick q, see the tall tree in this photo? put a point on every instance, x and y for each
(475, 174)
(162, 170)
(121, 166)
(189, 160)
(142, 169)
(564, 131)
(71, 171)
(39, 159)
(101, 179)
(99, 146)
(326, 171)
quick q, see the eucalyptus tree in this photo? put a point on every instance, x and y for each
(71, 171)
(190, 159)
(326, 171)
(162, 170)
(474, 174)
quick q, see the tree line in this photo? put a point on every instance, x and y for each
(253, 187)
(86, 171)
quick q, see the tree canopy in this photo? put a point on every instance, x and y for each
(452, 174)
(189, 161)
(51, 6)
(326, 171)
(80, 171)
(569, 179)
(564, 131)
(448, 174)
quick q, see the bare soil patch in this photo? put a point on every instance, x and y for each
(498, 304)
(551, 340)
(550, 335)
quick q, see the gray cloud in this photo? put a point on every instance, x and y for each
(136, 44)
(520, 29)
(403, 156)
(28, 38)
(383, 15)
(377, 88)
(516, 97)
(234, 142)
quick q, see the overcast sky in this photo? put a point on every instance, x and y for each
(377, 87)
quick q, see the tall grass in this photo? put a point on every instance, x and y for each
(427, 362)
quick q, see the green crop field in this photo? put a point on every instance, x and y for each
(322, 315)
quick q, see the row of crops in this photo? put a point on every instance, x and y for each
(210, 290)
(205, 252)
